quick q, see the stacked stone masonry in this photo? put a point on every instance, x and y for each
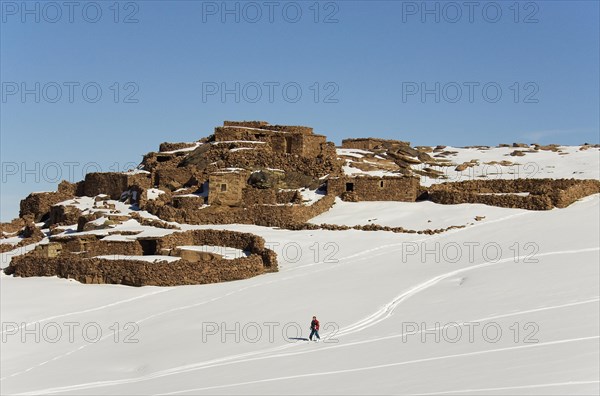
(74, 258)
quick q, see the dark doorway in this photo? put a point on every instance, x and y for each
(148, 246)
(288, 145)
(349, 186)
(424, 196)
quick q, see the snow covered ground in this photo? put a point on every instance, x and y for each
(570, 162)
(507, 305)
(410, 215)
(535, 282)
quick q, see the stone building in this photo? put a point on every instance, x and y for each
(49, 250)
(225, 187)
(283, 139)
(374, 188)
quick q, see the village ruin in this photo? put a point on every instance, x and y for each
(246, 172)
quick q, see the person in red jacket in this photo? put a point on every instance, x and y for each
(314, 329)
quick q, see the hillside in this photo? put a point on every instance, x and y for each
(415, 295)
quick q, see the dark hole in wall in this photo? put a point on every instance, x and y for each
(424, 196)
(349, 186)
(148, 246)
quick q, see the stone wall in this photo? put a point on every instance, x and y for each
(14, 226)
(173, 178)
(38, 205)
(372, 188)
(63, 215)
(265, 126)
(251, 243)
(75, 260)
(313, 145)
(168, 146)
(135, 272)
(89, 245)
(268, 215)
(283, 139)
(113, 183)
(29, 233)
(248, 124)
(371, 143)
(281, 143)
(544, 194)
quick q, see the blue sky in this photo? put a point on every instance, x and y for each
(427, 72)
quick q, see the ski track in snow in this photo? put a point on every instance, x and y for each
(101, 307)
(382, 314)
(345, 371)
(534, 386)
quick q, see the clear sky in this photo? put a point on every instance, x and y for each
(95, 85)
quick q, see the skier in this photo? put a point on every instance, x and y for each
(314, 329)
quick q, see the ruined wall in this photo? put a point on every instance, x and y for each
(248, 124)
(224, 134)
(265, 126)
(532, 202)
(14, 225)
(286, 140)
(266, 215)
(152, 161)
(88, 245)
(113, 183)
(168, 146)
(372, 188)
(544, 194)
(173, 178)
(258, 196)
(63, 215)
(251, 243)
(313, 145)
(290, 129)
(38, 205)
(188, 202)
(371, 143)
(137, 273)
(140, 273)
(30, 234)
